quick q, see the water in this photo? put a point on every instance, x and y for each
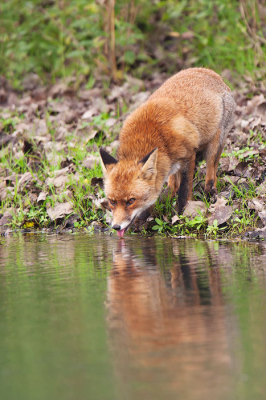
(100, 318)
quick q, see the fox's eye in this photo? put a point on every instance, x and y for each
(130, 201)
(112, 202)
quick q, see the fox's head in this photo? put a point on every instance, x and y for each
(130, 187)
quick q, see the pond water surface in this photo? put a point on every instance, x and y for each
(96, 317)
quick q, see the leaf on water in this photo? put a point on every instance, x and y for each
(60, 210)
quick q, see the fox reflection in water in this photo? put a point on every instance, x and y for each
(167, 323)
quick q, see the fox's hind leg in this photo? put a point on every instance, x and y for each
(215, 147)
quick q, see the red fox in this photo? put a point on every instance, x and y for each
(191, 112)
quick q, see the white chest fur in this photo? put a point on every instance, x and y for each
(176, 167)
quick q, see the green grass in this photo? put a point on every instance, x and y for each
(28, 214)
(70, 38)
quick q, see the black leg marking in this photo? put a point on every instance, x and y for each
(209, 186)
(183, 192)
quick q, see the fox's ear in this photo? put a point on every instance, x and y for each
(149, 162)
(106, 159)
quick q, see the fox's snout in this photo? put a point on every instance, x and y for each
(116, 227)
(121, 218)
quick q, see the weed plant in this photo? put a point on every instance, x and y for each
(73, 38)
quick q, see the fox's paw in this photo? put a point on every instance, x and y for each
(210, 189)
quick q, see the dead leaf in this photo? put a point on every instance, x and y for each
(221, 201)
(175, 219)
(118, 92)
(31, 81)
(249, 153)
(27, 177)
(58, 89)
(110, 122)
(3, 191)
(70, 117)
(221, 214)
(261, 190)
(90, 161)
(63, 171)
(174, 34)
(188, 35)
(90, 94)
(58, 181)
(255, 123)
(11, 180)
(257, 234)
(42, 196)
(61, 133)
(67, 195)
(227, 194)
(40, 128)
(262, 216)
(6, 139)
(254, 102)
(89, 113)
(5, 220)
(60, 210)
(256, 204)
(194, 208)
(261, 109)
(57, 108)
(230, 179)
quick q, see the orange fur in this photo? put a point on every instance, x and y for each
(192, 111)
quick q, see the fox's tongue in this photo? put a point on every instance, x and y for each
(121, 233)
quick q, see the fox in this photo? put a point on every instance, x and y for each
(192, 112)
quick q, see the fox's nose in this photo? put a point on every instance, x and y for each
(117, 227)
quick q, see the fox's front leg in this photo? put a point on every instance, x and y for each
(213, 153)
(186, 184)
(174, 183)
